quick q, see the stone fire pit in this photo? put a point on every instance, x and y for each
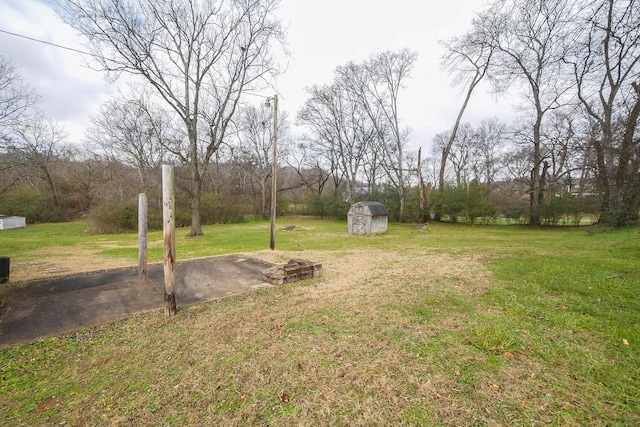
(295, 269)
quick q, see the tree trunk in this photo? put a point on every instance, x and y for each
(447, 150)
(196, 228)
(534, 215)
(52, 185)
(196, 187)
(624, 208)
(402, 196)
(479, 74)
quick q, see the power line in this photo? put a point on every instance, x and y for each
(90, 54)
(48, 43)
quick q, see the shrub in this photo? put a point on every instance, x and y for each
(116, 217)
(113, 218)
(32, 204)
(557, 208)
(330, 206)
(214, 209)
(470, 202)
(513, 212)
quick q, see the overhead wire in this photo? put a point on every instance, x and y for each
(90, 54)
(48, 43)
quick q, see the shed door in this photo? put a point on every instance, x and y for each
(359, 220)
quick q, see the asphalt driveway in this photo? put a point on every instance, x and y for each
(54, 306)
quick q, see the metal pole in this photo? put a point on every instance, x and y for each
(274, 179)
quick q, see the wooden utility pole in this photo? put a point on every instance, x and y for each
(421, 218)
(142, 235)
(169, 232)
(274, 172)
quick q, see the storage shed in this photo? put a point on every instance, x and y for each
(367, 218)
(7, 222)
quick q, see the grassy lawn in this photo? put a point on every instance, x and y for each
(445, 325)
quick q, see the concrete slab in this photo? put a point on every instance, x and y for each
(54, 306)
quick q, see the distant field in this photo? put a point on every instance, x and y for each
(438, 325)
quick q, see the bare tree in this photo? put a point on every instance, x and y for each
(475, 153)
(36, 147)
(490, 140)
(87, 175)
(467, 58)
(341, 130)
(389, 72)
(606, 68)
(517, 165)
(17, 98)
(355, 122)
(460, 152)
(199, 55)
(18, 103)
(528, 42)
(254, 148)
(133, 132)
(377, 84)
(309, 166)
(430, 169)
(562, 151)
(9, 177)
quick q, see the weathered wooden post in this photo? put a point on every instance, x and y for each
(169, 232)
(274, 175)
(142, 235)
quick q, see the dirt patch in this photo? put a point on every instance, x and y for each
(60, 261)
(46, 404)
(294, 228)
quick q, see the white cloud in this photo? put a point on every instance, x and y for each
(322, 35)
(71, 91)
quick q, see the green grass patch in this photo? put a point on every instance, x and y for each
(449, 325)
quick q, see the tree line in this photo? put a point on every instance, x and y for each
(576, 66)
(573, 150)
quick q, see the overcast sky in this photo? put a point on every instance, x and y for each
(322, 34)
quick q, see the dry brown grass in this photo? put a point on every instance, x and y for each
(61, 261)
(383, 337)
(328, 353)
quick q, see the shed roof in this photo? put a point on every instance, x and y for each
(376, 208)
